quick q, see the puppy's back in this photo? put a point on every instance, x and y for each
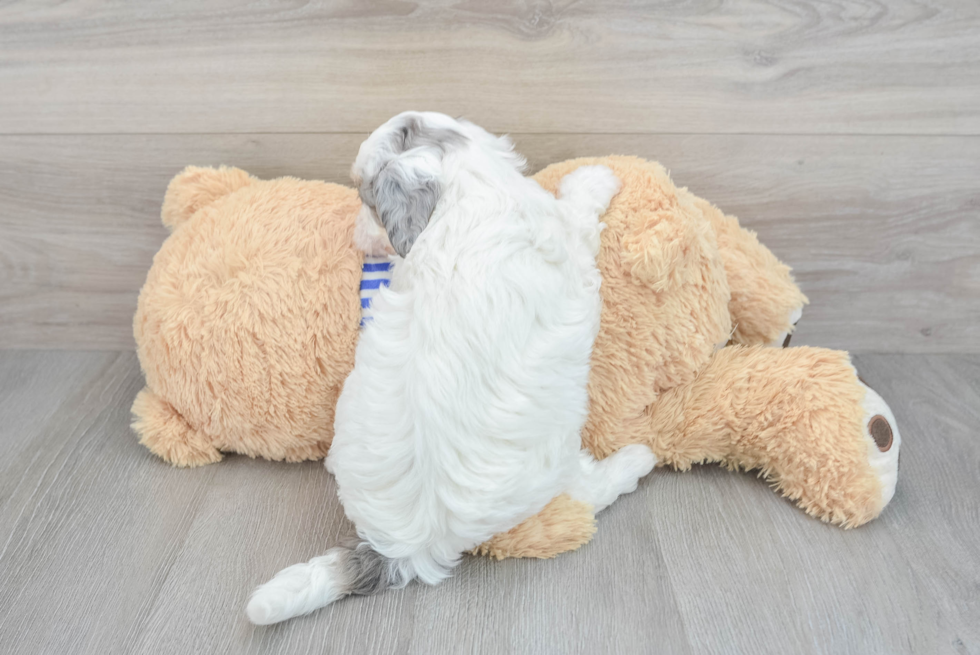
(469, 387)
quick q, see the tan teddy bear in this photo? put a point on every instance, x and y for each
(247, 324)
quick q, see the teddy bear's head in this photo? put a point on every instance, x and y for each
(246, 325)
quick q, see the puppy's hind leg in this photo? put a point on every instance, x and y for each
(600, 482)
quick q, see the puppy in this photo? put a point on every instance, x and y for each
(462, 415)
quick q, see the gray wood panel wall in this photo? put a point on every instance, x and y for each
(847, 134)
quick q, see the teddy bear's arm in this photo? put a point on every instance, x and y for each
(765, 300)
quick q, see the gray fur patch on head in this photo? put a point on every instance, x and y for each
(414, 133)
(405, 192)
(404, 202)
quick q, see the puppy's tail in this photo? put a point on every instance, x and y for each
(302, 588)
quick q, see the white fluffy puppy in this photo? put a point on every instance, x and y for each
(462, 415)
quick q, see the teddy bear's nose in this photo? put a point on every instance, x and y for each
(881, 432)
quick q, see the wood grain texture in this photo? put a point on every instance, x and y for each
(747, 573)
(33, 388)
(846, 133)
(882, 231)
(785, 66)
(114, 551)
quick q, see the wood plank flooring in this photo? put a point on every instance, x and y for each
(106, 549)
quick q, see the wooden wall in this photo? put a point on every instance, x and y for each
(847, 133)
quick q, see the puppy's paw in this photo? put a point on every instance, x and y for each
(602, 482)
(370, 239)
(633, 462)
(592, 185)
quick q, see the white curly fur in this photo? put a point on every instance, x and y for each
(463, 413)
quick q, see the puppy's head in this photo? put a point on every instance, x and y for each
(398, 173)
(399, 170)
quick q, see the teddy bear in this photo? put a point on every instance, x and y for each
(247, 324)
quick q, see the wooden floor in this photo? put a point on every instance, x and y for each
(846, 133)
(105, 549)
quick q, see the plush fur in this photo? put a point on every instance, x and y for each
(462, 416)
(247, 322)
(679, 279)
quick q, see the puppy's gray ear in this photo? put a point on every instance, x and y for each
(405, 196)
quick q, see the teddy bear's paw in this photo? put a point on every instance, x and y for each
(782, 341)
(883, 441)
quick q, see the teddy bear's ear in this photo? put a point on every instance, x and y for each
(663, 247)
(196, 187)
